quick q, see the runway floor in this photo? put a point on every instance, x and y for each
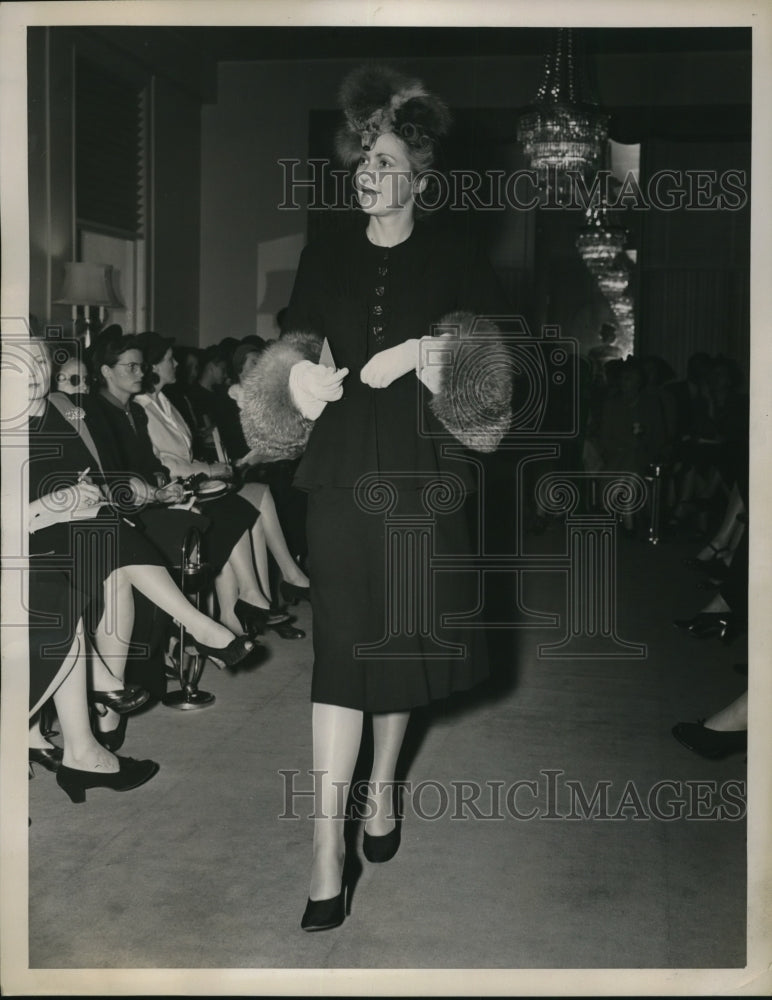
(203, 868)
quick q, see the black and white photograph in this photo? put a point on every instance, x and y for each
(385, 466)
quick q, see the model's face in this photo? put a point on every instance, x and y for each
(71, 377)
(125, 376)
(166, 369)
(384, 178)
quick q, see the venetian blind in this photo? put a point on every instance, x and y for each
(109, 150)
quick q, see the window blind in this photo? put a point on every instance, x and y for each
(109, 149)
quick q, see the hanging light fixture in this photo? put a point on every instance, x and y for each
(612, 277)
(564, 130)
(601, 241)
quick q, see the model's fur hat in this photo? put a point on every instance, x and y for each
(378, 99)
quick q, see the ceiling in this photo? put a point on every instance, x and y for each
(247, 43)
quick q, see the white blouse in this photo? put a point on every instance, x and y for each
(170, 435)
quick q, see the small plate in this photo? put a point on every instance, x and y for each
(212, 487)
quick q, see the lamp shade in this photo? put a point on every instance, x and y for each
(87, 284)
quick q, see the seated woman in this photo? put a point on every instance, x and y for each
(291, 505)
(70, 375)
(119, 427)
(172, 445)
(82, 563)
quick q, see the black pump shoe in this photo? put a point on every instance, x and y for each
(112, 740)
(711, 743)
(380, 849)
(286, 630)
(256, 620)
(325, 914)
(292, 593)
(706, 623)
(132, 774)
(229, 656)
(48, 757)
(126, 699)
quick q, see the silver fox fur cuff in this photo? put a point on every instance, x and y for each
(271, 422)
(474, 401)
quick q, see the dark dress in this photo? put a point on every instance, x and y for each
(369, 548)
(127, 450)
(70, 560)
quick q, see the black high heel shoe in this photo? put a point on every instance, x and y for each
(380, 849)
(132, 774)
(711, 743)
(286, 630)
(229, 656)
(705, 624)
(256, 620)
(112, 740)
(126, 699)
(48, 757)
(292, 593)
(325, 914)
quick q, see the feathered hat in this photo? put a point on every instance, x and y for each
(378, 99)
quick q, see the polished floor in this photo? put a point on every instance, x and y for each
(205, 867)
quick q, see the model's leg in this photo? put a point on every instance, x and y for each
(388, 736)
(337, 735)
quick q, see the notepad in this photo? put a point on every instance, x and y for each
(326, 358)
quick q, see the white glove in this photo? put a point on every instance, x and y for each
(432, 360)
(387, 366)
(312, 387)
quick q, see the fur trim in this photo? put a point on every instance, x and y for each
(475, 395)
(269, 419)
(378, 99)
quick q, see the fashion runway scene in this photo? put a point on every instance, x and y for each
(383, 443)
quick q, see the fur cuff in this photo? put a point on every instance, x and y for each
(271, 422)
(475, 393)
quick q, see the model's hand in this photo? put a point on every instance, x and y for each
(389, 365)
(312, 387)
(432, 359)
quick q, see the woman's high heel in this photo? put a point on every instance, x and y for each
(380, 849)
(707, 624)
(232, 654)
(286, 630)
(114, 739)
(292, 593)
(324, 914)
(256, 620)
(48, 757)
(131, 774)
(126, 699)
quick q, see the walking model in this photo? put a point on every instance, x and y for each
(379, 293)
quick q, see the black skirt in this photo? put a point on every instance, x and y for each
(69, 563)
(381, 639)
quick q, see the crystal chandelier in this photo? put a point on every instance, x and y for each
(600, 243)
(564, 130)
(612, 278)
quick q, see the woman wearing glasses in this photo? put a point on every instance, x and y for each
(71, 377)
(142, 486)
